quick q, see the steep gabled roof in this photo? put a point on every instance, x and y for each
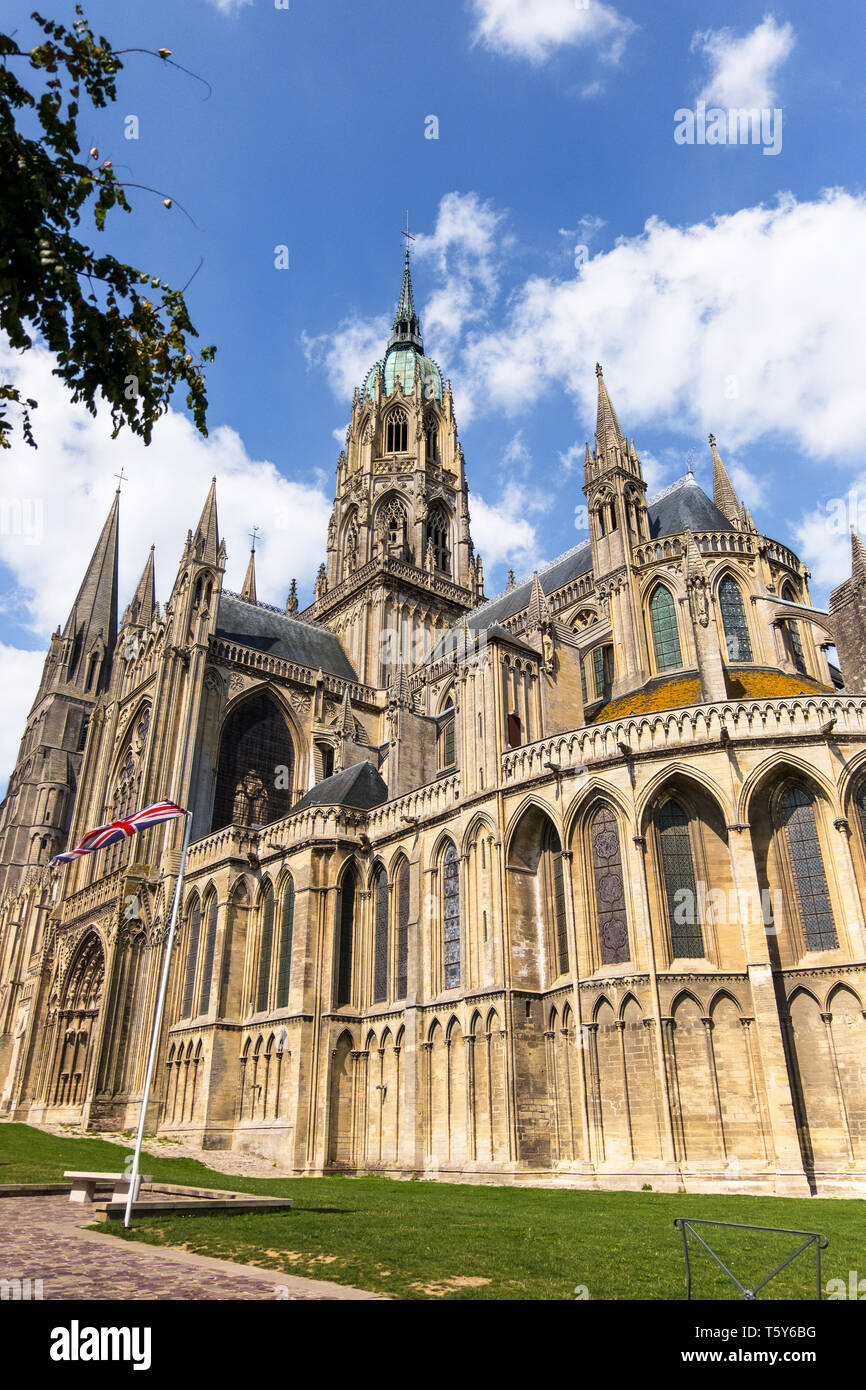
(280, 634)
(359, 786)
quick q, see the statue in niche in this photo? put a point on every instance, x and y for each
(548, 649)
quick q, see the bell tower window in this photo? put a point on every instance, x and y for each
(396, 432)
(437, 536)
(431, 438)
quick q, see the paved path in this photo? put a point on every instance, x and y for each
(41, 1238)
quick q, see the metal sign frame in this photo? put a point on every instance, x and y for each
(684, 1224)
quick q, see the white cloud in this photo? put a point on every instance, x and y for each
(751, 489)
(743, 71)
(348, 353)
(533, 29)
(573, 457)
(230, 7)
(823, 535)
(747, 325)
(69, 482)
(466, 248)
(502, 531)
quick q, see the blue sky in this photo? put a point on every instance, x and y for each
(721, 286)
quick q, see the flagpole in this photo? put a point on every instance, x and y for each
(157, 1023)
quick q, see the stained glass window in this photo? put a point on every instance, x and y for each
(610, 911)
(737, 640)
(448, 749)
(664, 625)
(813, 898)
(346, 929)
(192, 958)
(451, 898)
(209, 946)
(284, 966)
(583, 681)
(265, 953)
(860, 803)
(402, 929)
(256, 766)
(380, 949)
(679, 876)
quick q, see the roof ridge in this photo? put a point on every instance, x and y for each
(672, 487)
(542, 569)
(272, 608)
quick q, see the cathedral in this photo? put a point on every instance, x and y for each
(563, 886)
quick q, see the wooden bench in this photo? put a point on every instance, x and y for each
(84, 1185)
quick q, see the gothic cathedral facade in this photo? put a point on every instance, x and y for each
(562, 886)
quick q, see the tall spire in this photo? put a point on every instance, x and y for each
(95, 608)
(407, 326)
(608, 434)
(206, 541)
(724, 495)
(248, 592)
(142, 605)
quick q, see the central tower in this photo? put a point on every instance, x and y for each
(401, 566)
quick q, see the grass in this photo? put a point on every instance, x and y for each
(421, 1240)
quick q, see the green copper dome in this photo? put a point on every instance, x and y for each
(399, 365)
(406, 351)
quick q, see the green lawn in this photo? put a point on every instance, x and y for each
(422, 1239)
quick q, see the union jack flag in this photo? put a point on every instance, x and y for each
(123, 829)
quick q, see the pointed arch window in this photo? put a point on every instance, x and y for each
(256, 766)
(402, 929)
(797, 815)
(437, 537)
(209, 948)
(860, 803)
(380, 944)
(451, 917)
(194, 918)
(663, 618)
(447, 748)
(396, 432)
(266, 946)
(345, 938)
(678, 871)
(791, 629)
(284, 964)
(431, 437)
(610, 911)
(737, 640)
(122, 803)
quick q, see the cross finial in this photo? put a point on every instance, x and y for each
(407, 234)
(121, 478)
(253, 534)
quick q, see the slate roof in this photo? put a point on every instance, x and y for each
(278, 634)
(359, 786)
(684, 504)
